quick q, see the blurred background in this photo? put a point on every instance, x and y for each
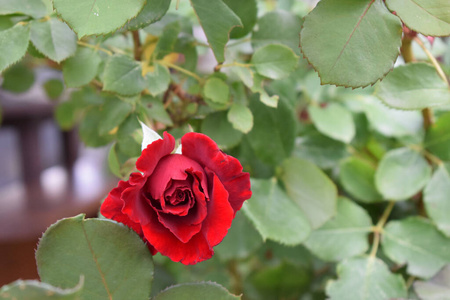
(45, 174)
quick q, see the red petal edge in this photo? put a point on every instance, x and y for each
(205, 151)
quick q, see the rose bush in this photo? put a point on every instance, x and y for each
(182, 205)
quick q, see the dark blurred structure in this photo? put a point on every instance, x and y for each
(45, 175)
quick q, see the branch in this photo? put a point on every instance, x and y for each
(137, 45)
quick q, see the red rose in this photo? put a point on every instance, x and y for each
(182, 205)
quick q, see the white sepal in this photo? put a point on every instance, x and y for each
(178, 151)
(149, 136)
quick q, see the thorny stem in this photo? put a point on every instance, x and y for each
(96, 47)
(433, 60)
(180, 69)
(379, 228)
(137, 45)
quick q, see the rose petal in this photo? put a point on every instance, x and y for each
(135, 203)
(220, 213)
(172, 167)
(203, 150)
(151, 155)
(192, 252)
(112, 207)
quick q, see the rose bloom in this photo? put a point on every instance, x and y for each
(182, 205)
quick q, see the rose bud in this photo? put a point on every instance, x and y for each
(181, 204)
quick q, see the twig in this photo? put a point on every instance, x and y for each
(433, 60)
(379, 228)
(137, 45)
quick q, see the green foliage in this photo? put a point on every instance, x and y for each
(217, 20)
(88, 17)
(110, 256)
(403, 242)
(374, 281)
(274, 61)
(201, 290)
(290, 227)
(13, 44)
(333, 121)
(436, 288)
(358, 179)
(435, 197)
(384, 149)
(345, 235)
(123, 75)
(35, 290)
(401, 174)
(335, 55)
(425, 16)
(311, 189)
(53, 38)
(81, 68)
(18, 79)
(413, 86)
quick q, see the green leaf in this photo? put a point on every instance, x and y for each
(130, 136)
(217, 126)
(33, 8)
(89, 128)
(241, 240)
(429, 17)
(274, 61)
(112, 114)
(53, 88)
(401, 174)
(285, 32)
(344, 55)
(88, 17)
(392, 122)
(81, 68)
(216, 90)
(112, 258)
(53, 38)
(154, 109)
(247, 11)
(241, 117)
(416, 242)
(320, 150)
(435, 197)
(167, 40)
(437, 288)
(113, 161)
(275, 216)
(200, 290)
(123, 75)
(366, 278)
(358, 178)
(153, 11)
(311, 189)
(217, 20)
(18, 78)
(258, 87)
(437, 139)
(413, 86)
(13, 44)
(158, 81)
(35, 290)
(345, 235)
(281, 281)
(273, 134)
(333, 121)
